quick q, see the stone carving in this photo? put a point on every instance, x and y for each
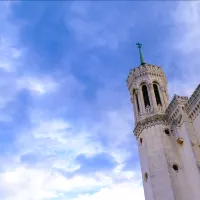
(148, 122)
(148, 109)
(150, 86)
(160, 108)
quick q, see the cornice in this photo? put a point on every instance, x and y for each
(149, 122)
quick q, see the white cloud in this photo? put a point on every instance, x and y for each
(12, 60)
(57, 138)
(126, 191)
(22, 183)
(187, 19)
(184, 48)
(39, 184)
(58, 141)
(36, 85)
(65, 137)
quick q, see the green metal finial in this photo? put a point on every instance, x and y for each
(141, 57)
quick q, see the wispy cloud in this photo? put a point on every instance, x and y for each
(37, 85)
(95, 28)
(184, 46)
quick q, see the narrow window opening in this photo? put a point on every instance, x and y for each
(167, 131)
(141, 141)
(145, 96)
(157, 95)
(145, 177)
(175, 167)
(137, 102)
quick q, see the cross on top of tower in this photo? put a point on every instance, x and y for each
(139, 45)
(140, 51)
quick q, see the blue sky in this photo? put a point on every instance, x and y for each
(66, 119)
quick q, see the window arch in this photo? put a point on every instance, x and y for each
(145, 96)
(157, 95)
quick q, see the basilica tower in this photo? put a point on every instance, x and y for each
(164, 133)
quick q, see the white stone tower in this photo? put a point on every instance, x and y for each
(168, 143)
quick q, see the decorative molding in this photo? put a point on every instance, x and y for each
(136, 91)
(143, 73)
(172, 114)
(160, 108)
(148, 109)
(149, 122)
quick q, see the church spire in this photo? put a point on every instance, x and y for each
(141, 57)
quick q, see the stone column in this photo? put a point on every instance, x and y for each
(141, 100)
(163, 96)
(152, 96)
(133, 100)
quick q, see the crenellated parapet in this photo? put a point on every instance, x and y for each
(144, 73)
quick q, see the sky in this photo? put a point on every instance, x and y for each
(66, 119)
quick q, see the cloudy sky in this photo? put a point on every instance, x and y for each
(66, 119)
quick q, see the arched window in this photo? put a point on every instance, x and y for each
(145, 96)
(137, 102)
(157, 95)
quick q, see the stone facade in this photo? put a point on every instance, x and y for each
(168, 136)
